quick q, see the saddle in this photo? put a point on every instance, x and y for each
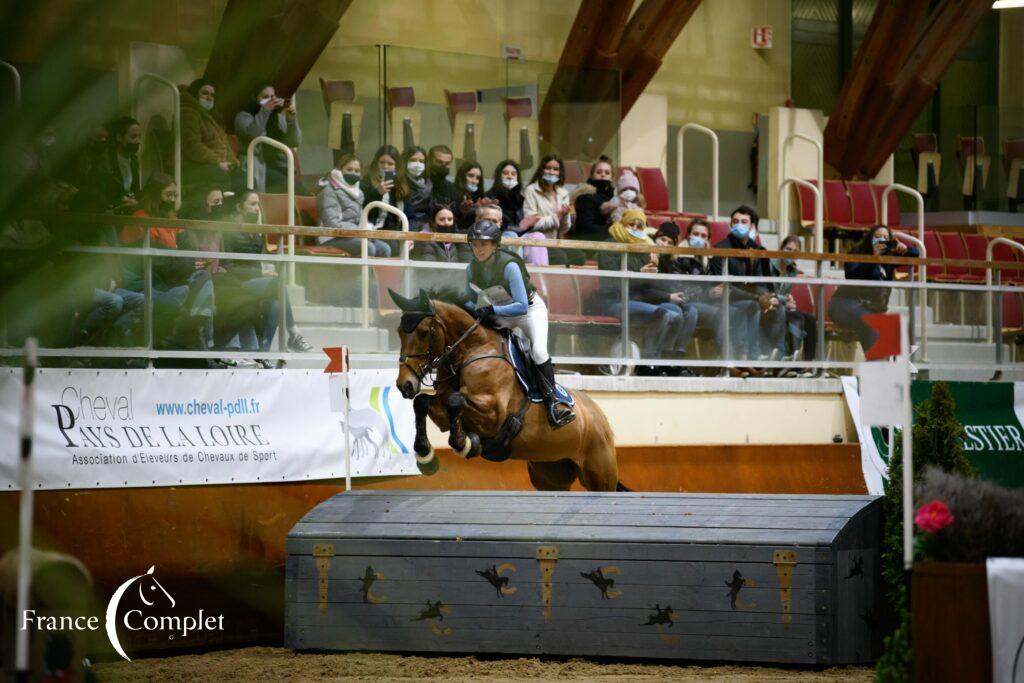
(517, 349)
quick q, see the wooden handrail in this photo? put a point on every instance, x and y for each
(455, 238)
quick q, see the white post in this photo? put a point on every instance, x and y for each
(819, 228)
(176, 97)
(250, 178)
(345, 410)
(988, 280)
(364, 224)
(714, 166)
(922, 278)
(16, 76)
(21, 642)
(818, 148)
(908, 456)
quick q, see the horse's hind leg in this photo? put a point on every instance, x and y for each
(599, 470)
(552, 476)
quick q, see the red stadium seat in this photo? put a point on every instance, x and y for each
(387, 278)
(574, 174)
(275, 212)
(837, 203)
(894, 204)
(977, 246)
(1013, 314)
(865, 210)
(804, 298)
(934, 250)
(561, 296)
(805, 202)
(953, 248)
(654, 188)
(719, 231)
(1002, 253)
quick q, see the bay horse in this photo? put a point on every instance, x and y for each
(475, 393)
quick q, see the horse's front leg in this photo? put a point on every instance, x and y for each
(465, 445)
(426, 460)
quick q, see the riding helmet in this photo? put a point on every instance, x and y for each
(485, 231)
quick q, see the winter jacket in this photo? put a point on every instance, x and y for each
(874, 298)
(249, 126)
(339, 205)
(539, 211)
(203, 139)
(372, 194)
(417, 205)
(649, 291)
(743, 266)
(511, 203)
(439, 252)
(591, 222)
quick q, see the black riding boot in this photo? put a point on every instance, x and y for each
(559, 414)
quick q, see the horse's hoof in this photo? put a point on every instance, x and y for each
(427, 464)
(473, 441)
(467, 448)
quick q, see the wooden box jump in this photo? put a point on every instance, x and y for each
(759, 578)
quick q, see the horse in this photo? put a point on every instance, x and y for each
(478, 400)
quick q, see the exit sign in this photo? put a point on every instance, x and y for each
(761, 37)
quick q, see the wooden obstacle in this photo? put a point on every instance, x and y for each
(754, 578)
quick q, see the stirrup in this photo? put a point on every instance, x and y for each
(567, 415)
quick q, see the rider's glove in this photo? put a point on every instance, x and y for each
(485, 313)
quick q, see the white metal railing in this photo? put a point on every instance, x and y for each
(16, 77)
(250, 182)
(989, 250)
(175, 123)
(364, 246)
(922, 278)
(819, 223)
(817, 146)
(714, 166)
(913, 193)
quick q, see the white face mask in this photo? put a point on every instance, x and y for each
(509, 183)
(206, 104)
(264, 101)
(415, 168)
(628, 195)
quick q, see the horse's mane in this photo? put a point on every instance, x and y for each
(448, 295)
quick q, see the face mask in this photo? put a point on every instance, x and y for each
(628, 195)
(637, 232)
(603, 186)
(438, 171)
(509, 183)
(753, 233)
(264, 101)
(472, 187)
(206, 104)
(551, 178)
(131, 148)
(167, 206)
(740, 231)
(351, 178)
(696, 242)
(251, 217)
(415, 168)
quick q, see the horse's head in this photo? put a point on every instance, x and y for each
(421, 339)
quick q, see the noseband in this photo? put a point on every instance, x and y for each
(432, 362)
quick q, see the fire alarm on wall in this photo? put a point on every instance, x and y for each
(761, 37)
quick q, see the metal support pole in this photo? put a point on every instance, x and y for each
(282, 301)
(176, 118)
(819, 267)
(908, 456)
(147, 291)
(726, 296)
(16, 76)
(250, 178)
(624, 316)
(24, 581)
(819, 221)
(714, 166)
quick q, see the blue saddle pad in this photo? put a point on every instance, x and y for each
(518, 359)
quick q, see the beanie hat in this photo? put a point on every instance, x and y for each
(630, 215)
(628, 180)
(669, 229)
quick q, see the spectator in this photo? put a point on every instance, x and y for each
(250, 273)
(747, 301)
(380, 184)
(275, 118)
(591, 222)
(508, 192)
(547, 209)
(801, 327)
(115, 184)
(340, 205)
(469, 186)
(627, 196)
(442, 190)
(442, 220)
(415, 187)
(205, 204)
(672, 294)
(662, 322)
(206, 155)
(851, 302)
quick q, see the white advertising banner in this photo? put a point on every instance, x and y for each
(118, 428)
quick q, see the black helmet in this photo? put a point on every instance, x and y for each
(485, 231)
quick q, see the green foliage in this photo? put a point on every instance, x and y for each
(938, 441)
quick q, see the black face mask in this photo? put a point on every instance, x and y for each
(437, 171)
(131, 148)
(351, 178)
(603, 186)
(250, 217)
(166, 207)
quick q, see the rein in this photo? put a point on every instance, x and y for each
(434, 362)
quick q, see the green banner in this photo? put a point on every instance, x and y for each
(991, 413)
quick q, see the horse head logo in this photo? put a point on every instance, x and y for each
(150, 590)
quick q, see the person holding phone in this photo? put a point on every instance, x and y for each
(851, 302)
(380, 184)
(275, 117)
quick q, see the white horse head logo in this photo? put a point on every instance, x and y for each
(148, 586)
(364, 423)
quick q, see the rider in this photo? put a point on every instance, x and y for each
(523, 308)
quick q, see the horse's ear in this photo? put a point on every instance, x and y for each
(426, 303)
(406, 304)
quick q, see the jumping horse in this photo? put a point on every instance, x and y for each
(456, 371)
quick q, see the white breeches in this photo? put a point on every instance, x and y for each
(533, 326)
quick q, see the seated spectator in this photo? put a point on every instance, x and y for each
(206, 155)
(627, 196)
(851, 302)
(170, 275)
(661, 321)
(380, 184)
(508, 192)
(547, 209)
(469, 187)
(442, 220)
(340, 205)
(674, 294)
(439, 161)
(114, 183)
(591, 222)
(799, 328)
(274, 117)
(747, 301)
(250, 273)
(415, 187)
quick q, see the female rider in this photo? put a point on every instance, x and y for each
(523, 308)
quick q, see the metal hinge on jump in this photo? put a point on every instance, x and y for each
(547, 556)
(323, 552)
(784, 561)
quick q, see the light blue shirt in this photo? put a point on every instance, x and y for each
(516, 287)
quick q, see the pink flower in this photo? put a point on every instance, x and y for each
(932, 517)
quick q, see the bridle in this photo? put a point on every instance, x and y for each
(432, 362)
